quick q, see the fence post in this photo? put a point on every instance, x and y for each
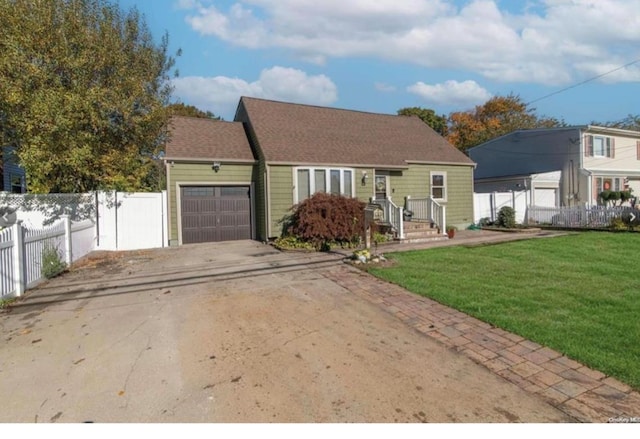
(67, 239)
(18, 259)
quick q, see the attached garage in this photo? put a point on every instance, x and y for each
(545, 197)
(211, 174)
(215, 213)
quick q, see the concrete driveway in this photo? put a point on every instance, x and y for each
(232, 332)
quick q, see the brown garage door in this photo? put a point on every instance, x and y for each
(215, 213)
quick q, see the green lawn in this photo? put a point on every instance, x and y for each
(578, 294)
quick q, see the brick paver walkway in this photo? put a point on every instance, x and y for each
(583, 393)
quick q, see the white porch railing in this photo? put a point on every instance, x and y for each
(392, 214)
(21, 252)
(428, 209)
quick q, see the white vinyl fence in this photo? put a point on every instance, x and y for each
(75, 225)
(21, 251)
(487, 205)
(125, 221)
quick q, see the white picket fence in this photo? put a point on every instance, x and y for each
(579, 217)
(21, 251)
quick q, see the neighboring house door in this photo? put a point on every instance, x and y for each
(215, 213)
(545, 197)
(381, 187)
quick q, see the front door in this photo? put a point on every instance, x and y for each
(381, 187)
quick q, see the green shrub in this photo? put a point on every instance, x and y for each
(379, 238)
(52, 263)
(326, 218)
(507, 217)
(292, 243)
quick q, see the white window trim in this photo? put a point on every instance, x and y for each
(444, 187)
(312, 180)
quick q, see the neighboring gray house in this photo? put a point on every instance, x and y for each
(13, 176)
(564, 166)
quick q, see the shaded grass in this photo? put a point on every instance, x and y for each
(578, 294)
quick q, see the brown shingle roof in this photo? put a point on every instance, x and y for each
(295, 133)
(206, 139)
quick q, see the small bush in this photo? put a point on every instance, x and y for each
(325, 218)
(507, 217)
(379, 238)
(52, 263)
(292, 243)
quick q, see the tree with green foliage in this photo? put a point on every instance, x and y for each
(428, 116)
(84, 94)
(498, 116)
(180, 109)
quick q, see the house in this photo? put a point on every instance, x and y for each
(238, 180)
(565, 166)
(13, 176)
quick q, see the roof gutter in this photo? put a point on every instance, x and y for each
(209, 160)
(337, 165)
(419, 162)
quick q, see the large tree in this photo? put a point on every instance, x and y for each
(498, 116)
(83, 95)
(180, 109)
(428, 116)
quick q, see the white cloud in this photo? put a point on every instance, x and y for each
(381, 86)
(545, 41)
(220, 94)
(451, 93)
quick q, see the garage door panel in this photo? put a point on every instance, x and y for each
(215, 213)
(545, 197)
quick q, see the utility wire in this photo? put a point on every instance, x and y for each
(584, 82)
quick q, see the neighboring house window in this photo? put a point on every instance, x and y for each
(332, 180)
(16, 184)
(638, 150)
(439, 185)
(609, 184)
(599, 146)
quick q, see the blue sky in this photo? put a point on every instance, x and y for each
(383, 55)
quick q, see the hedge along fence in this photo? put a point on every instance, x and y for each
(22, 250)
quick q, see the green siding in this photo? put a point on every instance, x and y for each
(281, 196)
(202, 173)
(414, 181)
(259, 179)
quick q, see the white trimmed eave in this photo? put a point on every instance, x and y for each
(210, 160)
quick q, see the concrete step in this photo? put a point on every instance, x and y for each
(415, 240)
(421, 233)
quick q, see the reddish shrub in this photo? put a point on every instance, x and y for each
(326, 218)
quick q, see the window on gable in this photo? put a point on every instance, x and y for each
(332, 180)
(439, 185)
(16, 184)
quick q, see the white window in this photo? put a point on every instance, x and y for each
(308, 181)
(600, 146)
(439, 185)
(609, 184)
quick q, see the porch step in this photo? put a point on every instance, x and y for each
(422, 239)
(419, 231)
